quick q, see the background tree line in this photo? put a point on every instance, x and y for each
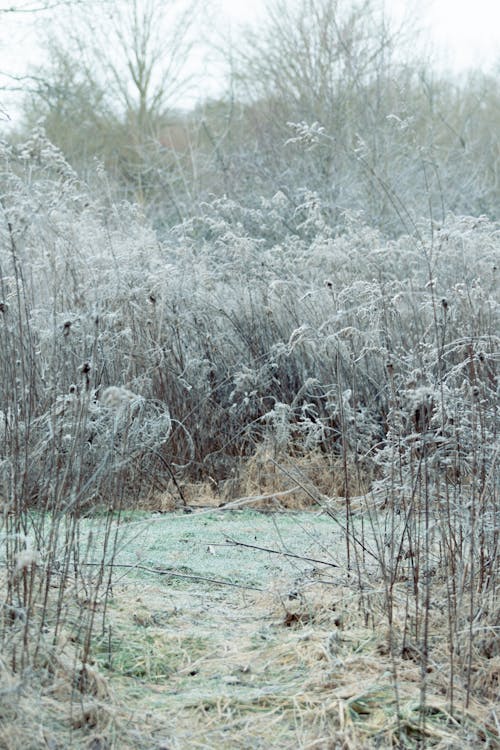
(392, 138)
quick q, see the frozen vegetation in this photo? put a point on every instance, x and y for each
(284, 331)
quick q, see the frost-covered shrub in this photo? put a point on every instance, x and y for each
(243, 325)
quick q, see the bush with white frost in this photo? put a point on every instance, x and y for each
(193, 345)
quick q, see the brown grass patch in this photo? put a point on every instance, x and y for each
(269, 482)
(292, 667)
(286, 668)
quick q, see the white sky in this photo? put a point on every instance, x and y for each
(462, 33)
(466, 33)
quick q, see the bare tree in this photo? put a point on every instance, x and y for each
(313, 55)
(342, 66)
(140, 51)
(113, 73)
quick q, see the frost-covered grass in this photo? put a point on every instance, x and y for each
(206, 545)
(295, 654)
(304, 660)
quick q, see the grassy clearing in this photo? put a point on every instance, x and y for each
(305, 662)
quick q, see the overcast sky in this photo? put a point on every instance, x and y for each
(464, 33)
(461, 33)
(467, 32)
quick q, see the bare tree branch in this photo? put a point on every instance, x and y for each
(38, 7)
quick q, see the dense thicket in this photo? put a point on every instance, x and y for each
(244, 324)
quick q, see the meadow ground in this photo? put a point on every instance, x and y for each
(246, 629)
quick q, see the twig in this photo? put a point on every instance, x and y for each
(161, 572)
(235, 543)
(256, 498)
(326, 510)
